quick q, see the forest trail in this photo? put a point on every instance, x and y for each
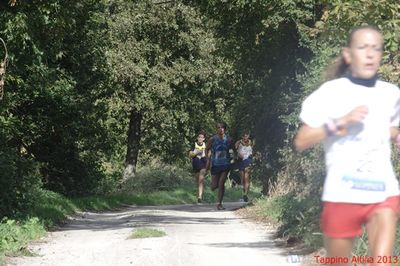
(196, 235)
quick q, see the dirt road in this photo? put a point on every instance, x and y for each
(197, 235)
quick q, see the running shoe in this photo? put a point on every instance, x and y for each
(220, 207)
(245, 198)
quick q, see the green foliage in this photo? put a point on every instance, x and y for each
(182, 195)
(338, 18)
(299, 216)
(51, 207)
(19, 182)
(295, 216)
(157, 176)
(14, 236)
(262, 40)
(180, 65)
(48, 103)
(177, 196)
(159, 183)
(163, 64)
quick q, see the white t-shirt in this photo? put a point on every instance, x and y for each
(245, 151)
(359, 168)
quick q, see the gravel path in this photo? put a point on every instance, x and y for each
(197, 235)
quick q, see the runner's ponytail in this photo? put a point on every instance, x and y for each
(336, 69)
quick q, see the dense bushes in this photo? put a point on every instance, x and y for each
(294, 201)
(14, 236)
(19, 182)
(157, 176)
(295, 216)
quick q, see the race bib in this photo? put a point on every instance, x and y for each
(220, 155)
(367, 173)
(360, 183)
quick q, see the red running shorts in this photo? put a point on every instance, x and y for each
(343, 220)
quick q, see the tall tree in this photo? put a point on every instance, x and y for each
(166, 73)
(46, 102)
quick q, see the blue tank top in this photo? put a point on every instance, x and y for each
(220, 151)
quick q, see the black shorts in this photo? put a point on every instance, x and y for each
(243, 164)
(199, 163)
(216, 170)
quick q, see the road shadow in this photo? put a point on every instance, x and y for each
(139, 216)
(268, 244)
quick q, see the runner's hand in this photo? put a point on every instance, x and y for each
(355, 116)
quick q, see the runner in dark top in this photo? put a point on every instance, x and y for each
(219, 159)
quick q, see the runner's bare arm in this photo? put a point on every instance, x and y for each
(309, 136)
(192, 154)
(395, 135)
(208, 152)
(237, 144)
(394, 132)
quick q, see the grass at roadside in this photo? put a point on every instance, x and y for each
(292, 217)
(146, 232)
(15, 235)
(184, 195)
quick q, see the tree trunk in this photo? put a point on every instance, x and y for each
(133, 144)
